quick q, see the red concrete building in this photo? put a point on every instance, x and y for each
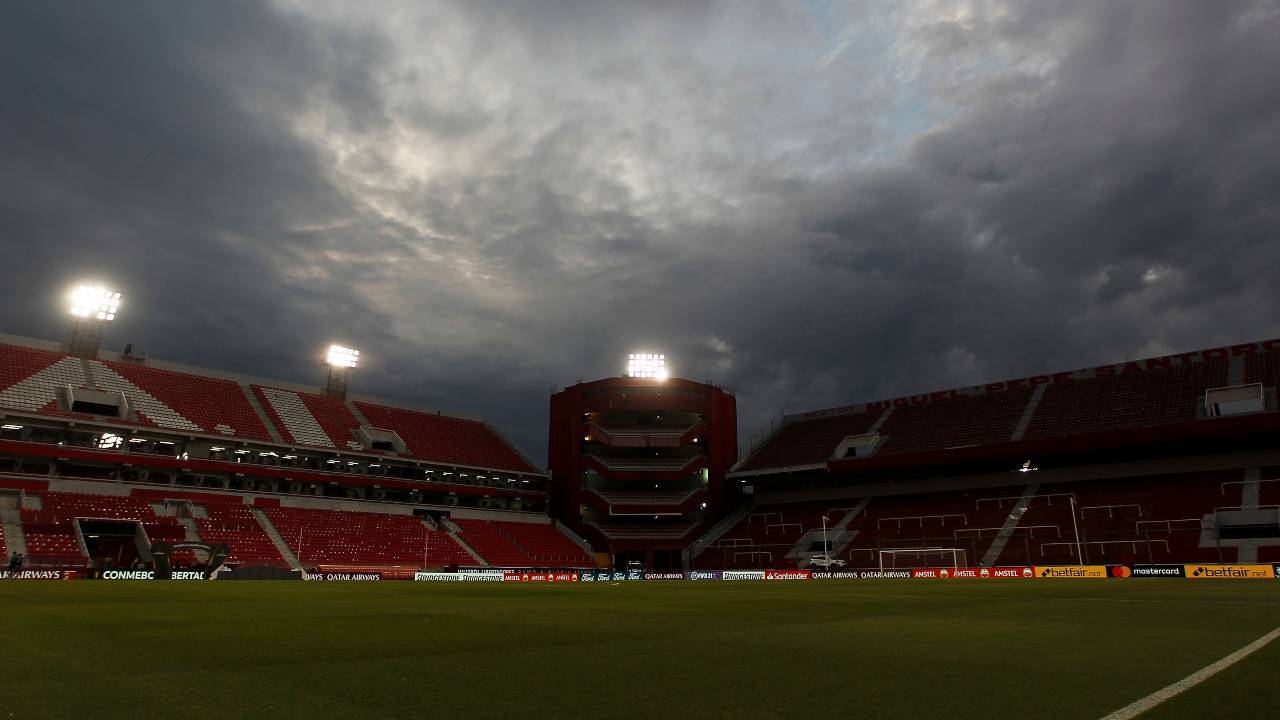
(638, 464)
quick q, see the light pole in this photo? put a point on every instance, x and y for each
(826, 548)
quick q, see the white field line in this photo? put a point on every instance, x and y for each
(1137, 708)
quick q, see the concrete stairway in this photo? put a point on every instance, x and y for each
(192, 532)
(455, 533)
(839, 536)
(278, 541)
(258, 410)
(716, 532)
(1010, 525)
(14, 539)
(577, 539)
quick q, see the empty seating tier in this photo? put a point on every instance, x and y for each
(544, 543)
(51, 530)
(215, 405)
(333, 538)
(309, 419)
(1149, 519)
(496, 548)
(1130, 400)
(975, 420)
(1107, 399)
(518, 544)
(446, 439)
(236, 526)
(29, 377)
(808, 442)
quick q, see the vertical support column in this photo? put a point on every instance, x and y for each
(336, 387)
(86, 336)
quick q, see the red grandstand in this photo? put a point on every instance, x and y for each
(103, 454)
(1162, 460)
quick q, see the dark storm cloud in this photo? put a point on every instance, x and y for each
(149, 148)
(813, 205)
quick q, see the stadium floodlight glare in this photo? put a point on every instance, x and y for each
(110, 441)
(91, 302)
(647, 365)
(343, 357)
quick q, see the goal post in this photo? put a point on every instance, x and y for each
(956, 557)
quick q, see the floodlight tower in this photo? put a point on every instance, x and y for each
(340, 361)
(92, 307)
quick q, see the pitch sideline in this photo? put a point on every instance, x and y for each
(1142, 705)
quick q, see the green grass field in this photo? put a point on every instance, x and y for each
(883, 649)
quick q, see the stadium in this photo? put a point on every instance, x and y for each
(614, 360)
(1007, 512)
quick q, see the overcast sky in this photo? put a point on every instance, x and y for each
(814, 203)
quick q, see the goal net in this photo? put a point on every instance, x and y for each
(922, 557)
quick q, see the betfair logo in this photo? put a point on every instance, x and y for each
(1072, 571)
(1229, 572)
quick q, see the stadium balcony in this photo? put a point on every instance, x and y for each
(658, 467)
(308, 419)
(444, 439)
(643, 435)
(674, 532)
(644, 502)
(269, 464)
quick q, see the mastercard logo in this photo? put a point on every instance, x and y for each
(1121, 571)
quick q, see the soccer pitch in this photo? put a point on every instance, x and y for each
(733, 650)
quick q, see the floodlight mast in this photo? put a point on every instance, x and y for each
(340, 361)
(92, 307)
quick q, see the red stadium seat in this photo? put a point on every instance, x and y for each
(445, 439)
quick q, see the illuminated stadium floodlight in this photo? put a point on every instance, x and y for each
(92, 307)
(340, 360)
(647, 365)
(90, 302)
(343, 357)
